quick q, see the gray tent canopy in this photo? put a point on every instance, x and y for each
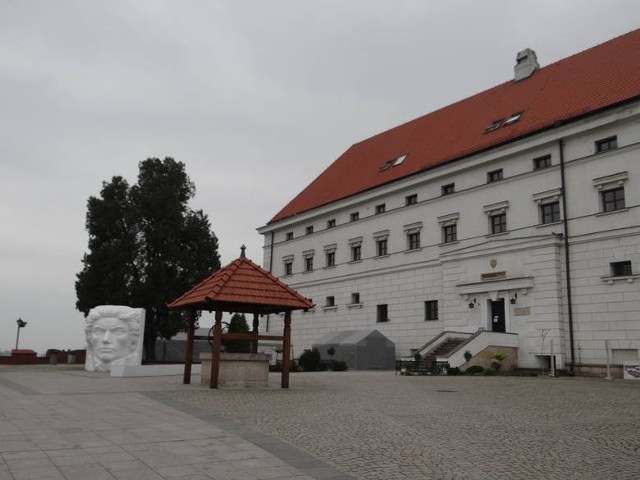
(360, 349)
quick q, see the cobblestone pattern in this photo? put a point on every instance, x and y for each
(377, 425)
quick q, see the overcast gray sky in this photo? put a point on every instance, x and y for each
(255, 97)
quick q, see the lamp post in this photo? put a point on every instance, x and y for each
(21, 323)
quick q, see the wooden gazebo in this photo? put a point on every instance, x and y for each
(241, 287)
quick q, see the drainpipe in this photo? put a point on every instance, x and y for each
(270, 268)
(565, 223)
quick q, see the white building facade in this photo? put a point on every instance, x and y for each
(536, 239)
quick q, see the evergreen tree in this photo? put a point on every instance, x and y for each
(147, 247)
(238, 324)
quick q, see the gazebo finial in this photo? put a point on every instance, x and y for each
(242, 249)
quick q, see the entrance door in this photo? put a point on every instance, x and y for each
(497, 316)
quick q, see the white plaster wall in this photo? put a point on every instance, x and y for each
(404, 280)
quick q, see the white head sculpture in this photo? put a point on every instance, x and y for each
(114, 337)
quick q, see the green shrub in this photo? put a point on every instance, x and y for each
(453, 371)
(338, 366)
(238, 324)
(490, 371)
(474, 369)
(310, 360)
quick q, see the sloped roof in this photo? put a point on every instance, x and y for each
(242, 286)
(601, 77)
(349, 337)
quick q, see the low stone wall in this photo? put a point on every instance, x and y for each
(238, 370)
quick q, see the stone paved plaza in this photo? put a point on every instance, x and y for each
(59, 422)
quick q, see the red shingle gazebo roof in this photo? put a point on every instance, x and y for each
(242, 286)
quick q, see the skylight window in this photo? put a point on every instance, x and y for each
(512, 119)
(496, 124)
(394, 162)
(503, 122)
(386, 166)
(399, 160)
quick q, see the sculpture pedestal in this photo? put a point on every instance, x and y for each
(238, 370)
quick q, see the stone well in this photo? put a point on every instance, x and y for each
(238, 370)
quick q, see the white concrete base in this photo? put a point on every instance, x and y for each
(151, 370)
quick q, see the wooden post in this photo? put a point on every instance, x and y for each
(188, 355)
(286, 350)
(215, 351)
(256, 323)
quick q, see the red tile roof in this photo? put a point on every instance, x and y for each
(600, 77)
(242, 286)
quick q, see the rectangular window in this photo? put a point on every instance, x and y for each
(356, 253)
(331, 223)
(289, 236)
(550, 212)
(498, 223)
(288, 267)
(494, 176)
(431, 310)
(621, 269)
(331, 259)
(382, 313)
(355, 298)
(605, 144)
(308, 230)
(613, 199)
(542, 162)
(330, 302)
(448, 189)
(413, 241)
(308, 264)
(381, 247)
(450, 233)
(354, 216)
(380, 208)
(411, 199)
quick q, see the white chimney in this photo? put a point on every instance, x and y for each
(526, 64)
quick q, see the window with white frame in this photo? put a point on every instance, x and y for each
(542, 162)
(330, 255)
(381, 239)
(355, 298)
(495, 176)
(548, 206)
(308, 260)
(288, 265)
(355, 247)
(611, 190)
(605, 144)
(497, 214)
(449, 227)
(412, 231)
